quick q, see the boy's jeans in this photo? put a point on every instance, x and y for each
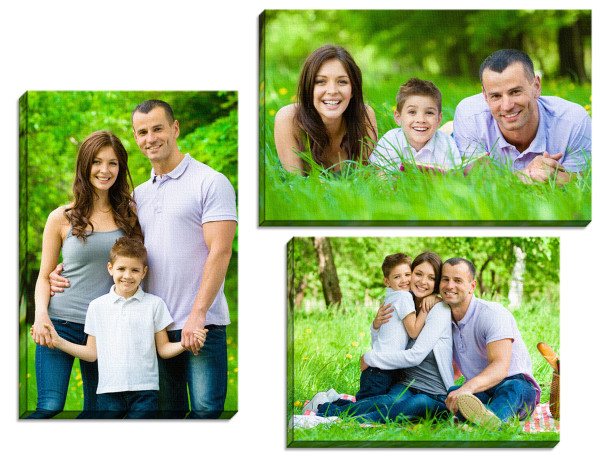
(140, 404)
(374, 381)
(512, 396)
(204, 374)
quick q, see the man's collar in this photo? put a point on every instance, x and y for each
(175, 173)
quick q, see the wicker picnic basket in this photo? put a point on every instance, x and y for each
(555, 396)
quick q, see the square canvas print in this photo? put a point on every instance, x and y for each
(110, 277)
(423, 342)
(425, 117)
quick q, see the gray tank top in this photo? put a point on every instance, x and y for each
(85, 267)
(426, 376)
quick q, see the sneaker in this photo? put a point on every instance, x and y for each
(313, 404)
(475, 411)
(332, 395)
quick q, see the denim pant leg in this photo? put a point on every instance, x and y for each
(89, 377)
(514, 396)
(53, 371)
(207, 375)
(172, 395)
(111, 405)
(142, 404)
(377, 404)
(374, 381)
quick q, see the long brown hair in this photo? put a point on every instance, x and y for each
(121, 201)
(355, 116)
(436, 263)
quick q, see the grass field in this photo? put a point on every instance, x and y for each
(324, 349)
(359, 197)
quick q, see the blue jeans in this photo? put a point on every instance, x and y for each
(53, 371)
(513, 396)
(205, 375)
(400, 404)
(374, 381)
(139, 404)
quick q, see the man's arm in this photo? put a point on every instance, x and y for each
(544, 168)
(219, 239)
(498, 354)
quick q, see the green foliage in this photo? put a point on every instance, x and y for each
(358, 262)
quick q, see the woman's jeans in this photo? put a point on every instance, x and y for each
(513, 396)
(53, 371)
(400, 404)
(205, 375)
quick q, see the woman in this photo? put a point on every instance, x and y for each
(330, 122)
(84, 230)
(427, 362)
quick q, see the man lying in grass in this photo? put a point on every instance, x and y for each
(540, 138)
(417, 140)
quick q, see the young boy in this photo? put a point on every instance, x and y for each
(417, 140)
(393, 335)
(125, 329)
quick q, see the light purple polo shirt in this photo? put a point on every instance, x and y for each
(484, 323)
(171, 211)
(564, 127)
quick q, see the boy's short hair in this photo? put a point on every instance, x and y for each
(418, 87)
(391, 261)
(129, 247)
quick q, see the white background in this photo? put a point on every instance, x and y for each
(193, 45)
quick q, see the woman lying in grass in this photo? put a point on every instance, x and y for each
(420, 391)
(330, 122)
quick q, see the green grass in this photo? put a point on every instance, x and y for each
(74, 402)
(324, 351)
(485, 197)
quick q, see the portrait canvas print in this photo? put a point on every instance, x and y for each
(115, 319)
(425, 117)
(423, 342)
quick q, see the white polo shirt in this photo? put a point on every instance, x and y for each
(124, 331)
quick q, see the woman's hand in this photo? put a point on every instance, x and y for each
(53, 335)
(429, 302)
(363, 364)
(40, 333)
(384, 314)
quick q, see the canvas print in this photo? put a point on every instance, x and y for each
(125, 197)
(423, 342)
(364, 113)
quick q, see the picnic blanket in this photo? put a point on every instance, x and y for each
(541, 419)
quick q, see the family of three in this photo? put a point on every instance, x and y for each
(421, 345)
(538, 138)
(174, 232)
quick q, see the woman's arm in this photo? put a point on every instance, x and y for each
(286, 139)
(52, 241)
(87, 352)
(436, 326)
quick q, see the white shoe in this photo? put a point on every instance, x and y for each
(475, 411)
(332, 395)
(313, 405)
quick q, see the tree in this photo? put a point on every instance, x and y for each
(327, 272)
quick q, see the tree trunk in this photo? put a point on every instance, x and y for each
(515, 293)
(300, 291)
(327, 272)
(570, 50)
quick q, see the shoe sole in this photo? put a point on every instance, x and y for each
(475, 411)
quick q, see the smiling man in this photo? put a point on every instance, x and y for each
(538, 137)
(489, 351)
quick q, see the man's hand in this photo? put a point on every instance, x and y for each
(541, 168)
(200, 336)
(363, 365)
(57, 282)
(451, 400)
(188, 340)
(384, 314)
